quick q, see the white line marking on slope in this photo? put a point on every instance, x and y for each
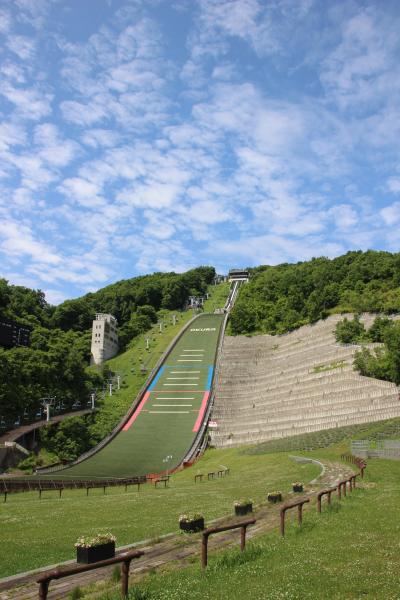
(169, 412)
(172, 405)
(182, 372)
(183, 377)
(175, 397)
(181, 384)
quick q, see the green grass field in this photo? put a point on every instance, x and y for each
(349, 552)
(168, 417)
(52, 525)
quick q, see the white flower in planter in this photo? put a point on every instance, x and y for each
(97, 540)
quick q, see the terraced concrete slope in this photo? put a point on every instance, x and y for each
(169, 415)
(272, 387)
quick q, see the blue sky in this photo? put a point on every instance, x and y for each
(140, 136)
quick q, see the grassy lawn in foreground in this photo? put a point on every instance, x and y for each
(348, 552)
(52, 525)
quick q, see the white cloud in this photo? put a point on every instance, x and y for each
(54, 296)
(394, 184)
(5, 21)
(55, 150)
(85, 193)
(97, 138)
(22, 46)
(11, 134)
(31, 103)
(344, 216)
(391, 214)
(18, 241)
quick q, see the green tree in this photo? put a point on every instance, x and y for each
(350, 331)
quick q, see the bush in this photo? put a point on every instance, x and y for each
(350, 332)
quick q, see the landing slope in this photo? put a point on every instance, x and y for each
(169, 414)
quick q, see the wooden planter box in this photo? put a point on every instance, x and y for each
(95, 553)
(274, 499)
(297, 488)
(244, 509)
(192, 526)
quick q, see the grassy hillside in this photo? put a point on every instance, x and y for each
(281, 298)
(55, 363)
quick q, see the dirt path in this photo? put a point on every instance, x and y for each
(177, 549)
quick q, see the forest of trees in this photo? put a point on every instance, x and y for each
(56, 362)
(281, 298)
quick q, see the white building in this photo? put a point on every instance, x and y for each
(104, 338)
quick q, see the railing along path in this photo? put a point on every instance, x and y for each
(125, 558)
(206, 534)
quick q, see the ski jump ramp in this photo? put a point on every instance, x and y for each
(156, 436)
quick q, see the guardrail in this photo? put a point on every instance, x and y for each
(355, 460)
(10, 486)
(343, 484)
(125, 559)
(299, 504)
(206, 534)
(323, 493)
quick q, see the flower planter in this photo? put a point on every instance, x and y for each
(297, 488)
(274, 498)
(192, 526)
(243, 509)
(95, 553)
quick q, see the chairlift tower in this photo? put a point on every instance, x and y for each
(47, 403)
